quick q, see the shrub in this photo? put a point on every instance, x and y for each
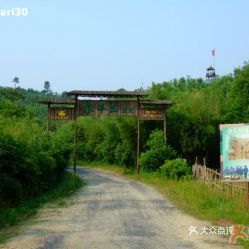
(10, 190)
(124, 155)
(30, 161)
(157, 153)
(28, 169)
(175, 169)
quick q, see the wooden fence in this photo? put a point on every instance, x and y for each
(239, 191)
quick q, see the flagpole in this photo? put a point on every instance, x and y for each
(213, 54)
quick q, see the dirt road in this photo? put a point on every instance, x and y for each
(112, 212)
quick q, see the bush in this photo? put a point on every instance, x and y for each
(30, 161)
(10, 190)
(28, 169)
(157, 153)
(175, 169)
(124, 155)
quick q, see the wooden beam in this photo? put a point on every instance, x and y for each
(106, 93)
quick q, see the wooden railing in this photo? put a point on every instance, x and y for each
(211, 177)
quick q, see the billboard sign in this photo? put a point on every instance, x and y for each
(107, 108)
(234, 151)
(152, 114)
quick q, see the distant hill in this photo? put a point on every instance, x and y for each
(17, 101)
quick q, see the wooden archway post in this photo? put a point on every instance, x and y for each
(165, 127)
(48, 119)
(75, 135)
(138, 134)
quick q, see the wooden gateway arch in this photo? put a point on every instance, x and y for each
(106, 103)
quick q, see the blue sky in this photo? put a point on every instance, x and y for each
(111, 44)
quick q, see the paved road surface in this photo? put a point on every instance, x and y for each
(110, 213)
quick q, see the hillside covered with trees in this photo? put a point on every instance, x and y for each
(31, 162)
(192, 124)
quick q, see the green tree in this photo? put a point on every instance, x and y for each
(238, 103)
(47, 88)
(157, 152)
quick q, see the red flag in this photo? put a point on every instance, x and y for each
(213, 52)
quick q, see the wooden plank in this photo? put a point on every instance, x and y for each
(99, 108)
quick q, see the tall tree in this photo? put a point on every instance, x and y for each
(47, 88)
